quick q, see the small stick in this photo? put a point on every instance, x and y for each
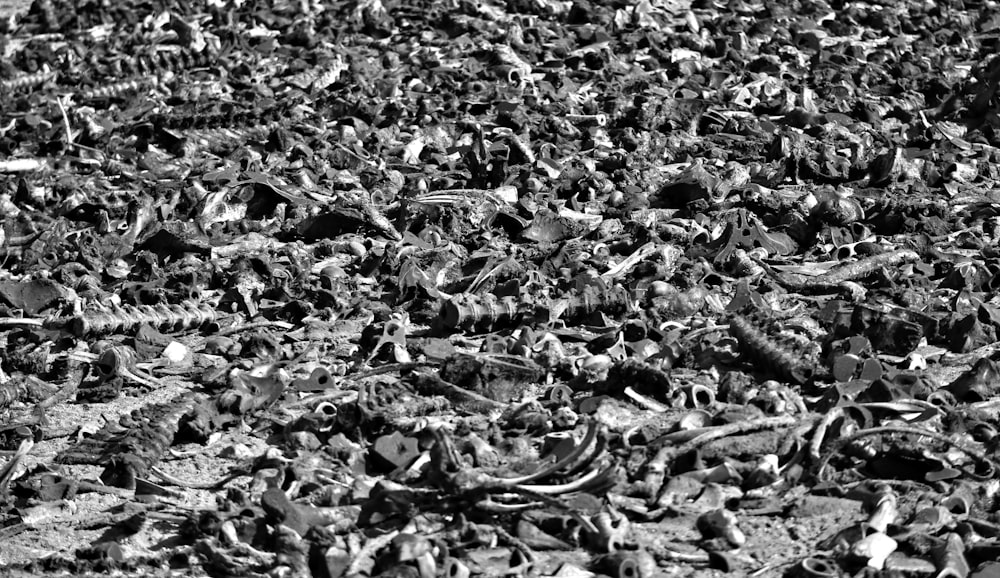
(331, 396)
(587, 119)
(553, 502)
(389, 368)
(490, 506)
(629, 262)
(253, 325)
(588, 438)
(488, 270)
(86, 486)
(65, 117)
(20, 165)
(664, 553)
(354, 154)
(471, 395)
(21, 322)
(245, 245)
(904, 485)
(824, 424)
(452, 196)
(378, 219)
(646, 402)
(141, 378)
(529, 556)
(836, 277)
(91, 149)
(23, 240)
(668, 453)
(363, 560)
(63, 393)
(695, 333)
(14, 530)
(567, 488)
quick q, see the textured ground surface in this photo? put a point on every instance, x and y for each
(303, 288)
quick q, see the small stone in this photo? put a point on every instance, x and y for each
(281, 510)
(858, 345)
(722, 524)
(844, 367)
(303, 440)
(871, 370)
(236, 451)
(659, 289)
(395, 450)
(177, 353)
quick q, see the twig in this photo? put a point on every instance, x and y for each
(377, 218)
(21, 322)
(91, 149)
(550, 501)
(365, 556)
(354, 154)
(661, 552)
(587, 119)
(771, 568)
(836, 277)
(86, 486)
(253, 325)
(471, 395)
(452, 196)
(824, 424)
(905, 485)
(567, 488)
(588, 438)
(529, 556)
(628, 263)
(646, 402)
(312, 400)
(389, 368)
(486, 272)
(20, 165)
(499, 508)
(14, 530)
(439, 384)
(63, 393)
(666, 454)
(69, 129)
(696, 333)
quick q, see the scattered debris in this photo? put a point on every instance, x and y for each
(540, 288)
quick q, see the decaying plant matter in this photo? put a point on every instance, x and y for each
(538, 288)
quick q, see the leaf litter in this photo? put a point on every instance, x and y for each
(545, 288)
